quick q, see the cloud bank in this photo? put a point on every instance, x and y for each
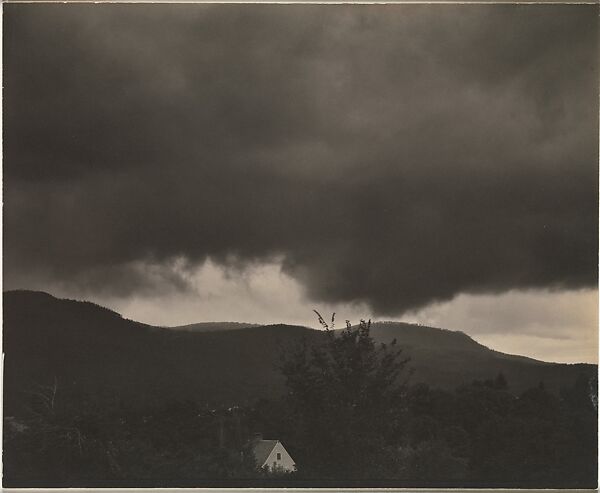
(393, 155)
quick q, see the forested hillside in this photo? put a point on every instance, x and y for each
(92, 399)
(85, 346)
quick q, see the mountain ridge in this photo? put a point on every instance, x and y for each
(215, 326)
(212, 326)
(96, 350)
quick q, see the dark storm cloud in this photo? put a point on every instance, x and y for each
(394, 154)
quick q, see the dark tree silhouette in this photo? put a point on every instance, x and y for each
(347, 397)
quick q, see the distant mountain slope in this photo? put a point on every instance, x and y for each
(98, 352)
(447, 358)
(213, 326)
(95, 350)
(416, 335)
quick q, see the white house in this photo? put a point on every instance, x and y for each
(272, 456)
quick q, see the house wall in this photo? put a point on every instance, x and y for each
(285, 463)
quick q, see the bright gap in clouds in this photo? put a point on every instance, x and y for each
(257, 294)
(559, 326)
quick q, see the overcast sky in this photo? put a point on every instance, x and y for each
(432, 163)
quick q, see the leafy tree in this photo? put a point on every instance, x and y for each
(347, 398)
(434, 461)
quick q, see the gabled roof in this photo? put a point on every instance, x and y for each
(262, 449)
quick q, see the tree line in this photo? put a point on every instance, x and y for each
(350, 414)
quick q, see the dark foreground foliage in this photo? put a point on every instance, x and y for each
(349, 418)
